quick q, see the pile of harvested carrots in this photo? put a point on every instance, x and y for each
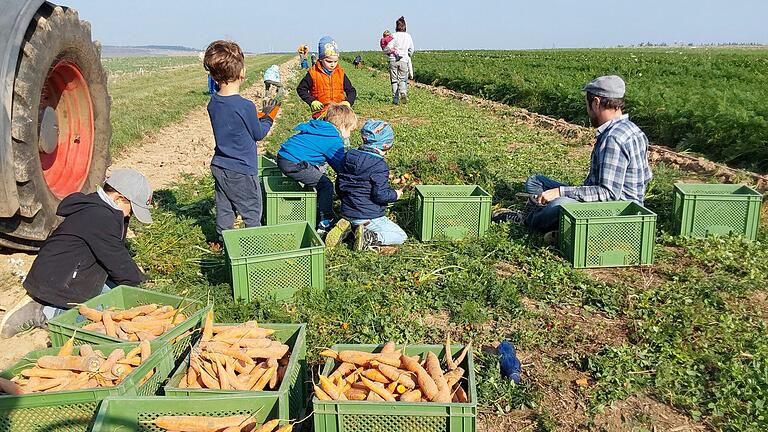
(393, 376)
(239, 423)
(242, 357)
(66, 371)
(141, 323)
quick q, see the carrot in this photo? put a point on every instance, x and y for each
(268, 426)
(262, 382)
(224, 383)
(89, 314)
(321, 394)
(154, 328)
(78, 383)
(329, 388)
(273, 379)
(389, 347)
(329, 353)
(132, 313)
(378, 388)
(114, 356)
(395, 374)
(191, 376)
(163, 310)
(85, 351)
(208, 326)
(9, 387)
(73, 363)
(411, 396)
(245, 332)
(271, 352)
(47, 384)
(426, 383)
(460, 394)
(434, 370)
(97, 327)
(280, 375)
(234, 353)
(463, 354)
(145, 336)
(454, 376)
(146, 350)
(342, 370)
(286, 428)
(373, 396)
(45, 373)
(68, 347)
(199, 423)
(121, 370)
(109, 324)
(209, 379)
(356, 394)
(254, 378)
(448, 356)
(375, 375)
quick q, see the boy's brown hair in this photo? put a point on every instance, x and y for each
(341, 116)
(224, 60)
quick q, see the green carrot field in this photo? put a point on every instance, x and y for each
(712, 101)
(681, 343)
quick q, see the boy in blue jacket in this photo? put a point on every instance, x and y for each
(303, 157)
(363, 185)
(237, 126)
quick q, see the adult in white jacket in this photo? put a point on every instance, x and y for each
(400, 68)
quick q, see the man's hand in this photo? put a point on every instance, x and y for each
(345, 103)
(270, 109)
(549, 195)
(399, 193)
(316, 106)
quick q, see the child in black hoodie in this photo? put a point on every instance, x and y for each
(86, 254)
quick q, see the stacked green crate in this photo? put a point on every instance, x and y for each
(452, 212)
(288, 201)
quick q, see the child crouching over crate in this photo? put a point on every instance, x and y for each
(363, 185)
(303, 157)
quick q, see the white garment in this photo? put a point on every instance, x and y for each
(403, 42)
(106, 198)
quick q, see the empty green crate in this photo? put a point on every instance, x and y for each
(716, 209)
(74, 411)
(268, 168)
(63, 326)
(288, 201)
(274, 261)
(452, 212)
(291, 395)
(123, 414)
(367, 416)
(607, 234)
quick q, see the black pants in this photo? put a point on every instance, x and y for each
(236, 193)
(313, 177)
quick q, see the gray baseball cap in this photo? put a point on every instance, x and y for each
(610, 86)
(134, 186)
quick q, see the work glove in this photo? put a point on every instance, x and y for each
(345, 103)
(270, 109)
(316, 106)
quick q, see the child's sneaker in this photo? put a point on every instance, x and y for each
(324, 226)
(337, 233)
(365, 239)
(404, 98)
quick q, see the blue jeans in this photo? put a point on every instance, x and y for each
(236, 192)
(387, 232)
(544, 218)
(52, 311)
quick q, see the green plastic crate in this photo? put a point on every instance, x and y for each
(74, 411)
(452, 212)
(181, 337)
(291, 394)
(607, 234)
(288, 201)
(366, 416)
(123, 414)
(274, 261)
(268, 168)
(716, 209)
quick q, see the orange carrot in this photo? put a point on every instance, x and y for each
(373, 396)
(329, 388)
(109, 324)
(375, 375)
(342, 370)
(114, 356)
(321, 394)
(411, 396)
(145, 349)
(448, 356)
(132, 313)
(426, 382)
(463, 354)
(199, 423)
(434, 370)
(378, 388)
(389, 347)
(97, 327)
(262, 382)
(45, 373)
(395, 374)
(68, 347)
(271, 352)
(208, 326)
(356, 394)
(73, 363)
(89, 314)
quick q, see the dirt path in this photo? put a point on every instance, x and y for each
(182, 148)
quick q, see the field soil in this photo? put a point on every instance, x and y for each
(163, 157)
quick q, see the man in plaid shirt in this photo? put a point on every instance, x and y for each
(619, 169)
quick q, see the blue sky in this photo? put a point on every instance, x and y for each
(481, 24)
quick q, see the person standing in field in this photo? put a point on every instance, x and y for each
(326, 83)
(619, 168)
(400, 49)
(237, 126)
(272, 79)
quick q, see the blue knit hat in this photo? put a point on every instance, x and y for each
(327, 47)
(377, 134)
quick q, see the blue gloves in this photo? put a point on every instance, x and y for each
(508, 362)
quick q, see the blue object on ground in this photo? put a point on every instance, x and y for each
(508, 361)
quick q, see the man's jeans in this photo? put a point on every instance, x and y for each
(235, 192)
(313, 177)
(387, 232)
(52, 311)
(544, 218)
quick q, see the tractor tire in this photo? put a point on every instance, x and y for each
(59, 75)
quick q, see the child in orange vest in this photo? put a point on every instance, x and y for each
(326, 82)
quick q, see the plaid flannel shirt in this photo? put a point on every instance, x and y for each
(619, 169)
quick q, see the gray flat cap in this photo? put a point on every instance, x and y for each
(134, 186)
(610, 86)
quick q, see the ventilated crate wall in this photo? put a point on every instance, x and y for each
(607, 234)
(268, 168)
(716, 209)
(291, 393)
(275, 261)
(452, 212)
(288, 201)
